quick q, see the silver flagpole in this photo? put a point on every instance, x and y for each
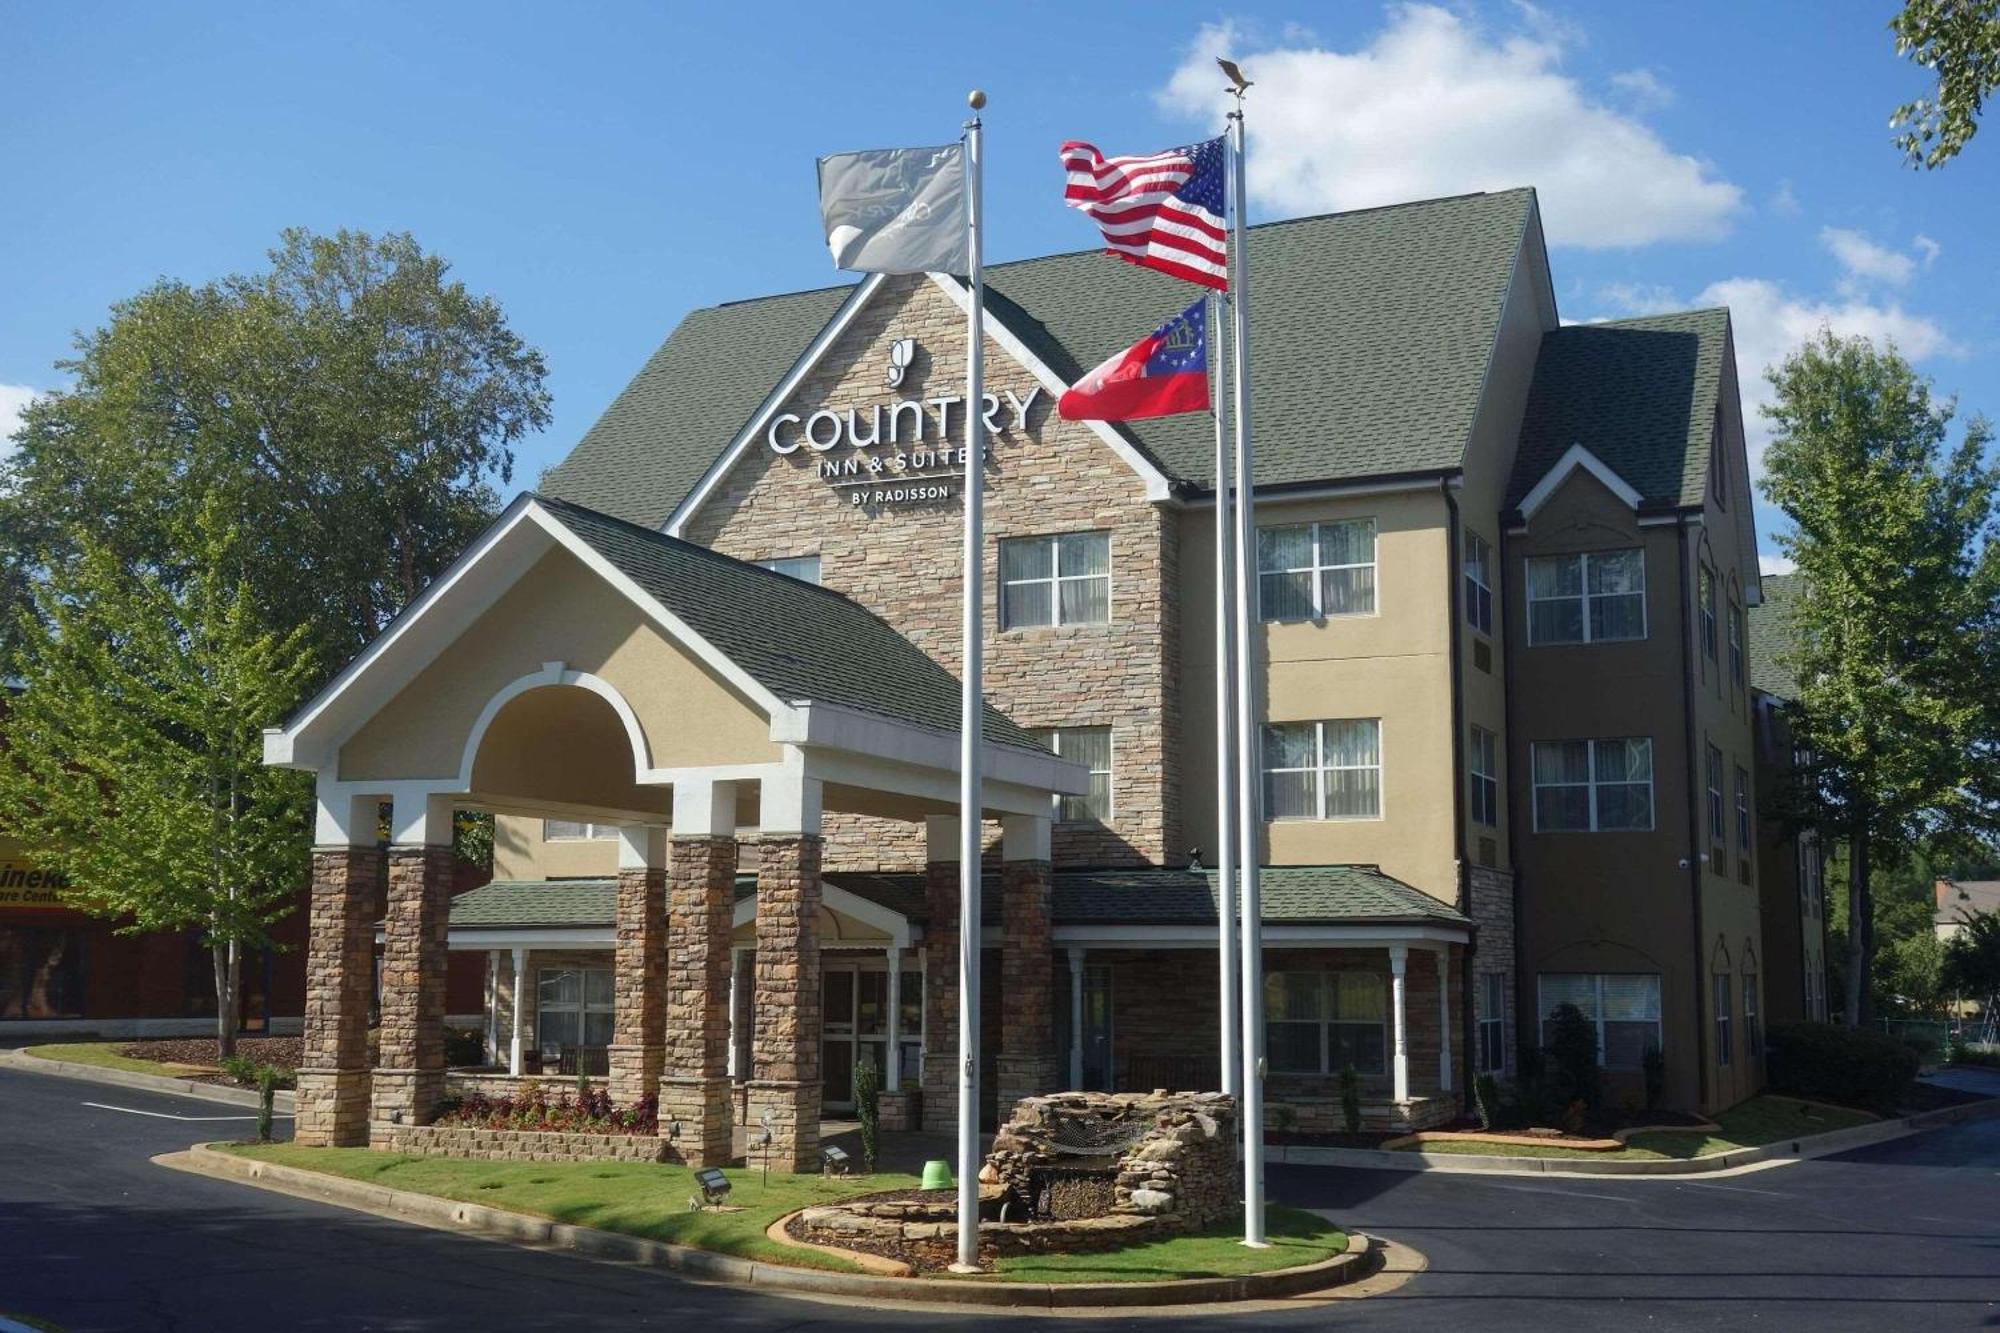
(1225, 728)
(971, 718)
(1248, 797)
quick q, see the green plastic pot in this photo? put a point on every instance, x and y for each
(937, 1174)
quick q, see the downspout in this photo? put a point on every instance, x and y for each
(1694, 816)
(1454, 592)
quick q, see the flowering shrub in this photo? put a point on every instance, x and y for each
(587, 1111)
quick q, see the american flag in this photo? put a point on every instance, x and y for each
(1163, 211)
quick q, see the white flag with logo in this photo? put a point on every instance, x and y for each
(896, 210)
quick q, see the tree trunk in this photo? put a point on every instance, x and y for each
(1860, 933)
(228, 986)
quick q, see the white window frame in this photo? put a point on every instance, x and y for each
(1744, 832)
(1704, 602)
(1753, 1031)
(583, 1007)
(1490, 1023)
(1326, 1024)
(1720, 991)
(592, 832)
(1718, 822)
(1736, 659)
(1318, 568)
(791, 566)
(1597, 1019)
(1535, 786)
(1052, 737)
(1055, 580)
(1483, 775)
(1478, 609)
(1584, 595)
(1321, 768)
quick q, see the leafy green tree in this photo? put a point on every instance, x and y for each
(1960, 41)
(1910, 974)
(1972, 958)
(1894, 640)
(133, 760)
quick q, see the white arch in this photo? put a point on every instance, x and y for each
(554, 673)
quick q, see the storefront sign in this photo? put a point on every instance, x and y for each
(24, 886)
(902, 451)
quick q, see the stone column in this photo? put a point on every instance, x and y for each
(694, 1093)
(940, 1060)
(1399, 963)
(784, 1090)
(639, 961)
(332, 1099)
(409, 1070)
(1027, 1062)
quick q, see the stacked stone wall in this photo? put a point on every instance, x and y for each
(334, 1081)
(409, 1075)
(784, 1092)
(902, 563)
(638, 984)
(516, 1145)
(1492, 912)
(694, 1095)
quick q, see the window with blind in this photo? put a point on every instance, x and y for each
(573, 1007)
(1063, 579)
(1705, 605)
(1091, 747)
(804, 568)
(1597, 786)
(1482, 759)
(1489, 1007)
(1322, 1022)
(1309, 571)
(1736, 645)
(1722, 1045)
(575, 830)
(1624, 1008)
(1594, 597)
(1743, 815)
(1718, 828)
(1478, 583)
(1323, 770)
(1753, 1031)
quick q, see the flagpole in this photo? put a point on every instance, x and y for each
(1225, 728)
(971, 716)
(1248, 797)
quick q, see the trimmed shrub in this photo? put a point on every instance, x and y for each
(1656, 1078)
(867, 1090)
(1846, 1066)
(464, 1047)
(1486, 1098)
(267, 1096)
(1573, 1058)
(1350, 1098)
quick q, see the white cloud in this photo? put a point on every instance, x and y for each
(1927, 247)
(1775, 564)
(1435, 105)
(1643, 87)
(13, 398)
(1863, 260)
(1784, 201)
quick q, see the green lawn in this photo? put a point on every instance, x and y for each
(1751, 1124)
(105, 1055)
(1297, 1238)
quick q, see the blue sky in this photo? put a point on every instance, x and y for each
(602, 170)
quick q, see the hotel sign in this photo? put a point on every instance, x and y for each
(897, 452)
(23, 886)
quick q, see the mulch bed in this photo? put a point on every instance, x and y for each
(285, 1052)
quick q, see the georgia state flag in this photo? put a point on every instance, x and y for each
(1161, 374)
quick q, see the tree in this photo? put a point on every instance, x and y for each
(1960, 40)
(1893, 640)
(134, 755)
(1911, 974)
(1972, 957)
(350, 406)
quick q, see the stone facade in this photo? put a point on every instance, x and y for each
(901, 562)
(1027, 1063)
(516, 1145)
(638, 984)
(333, 1085)
(1492, 912)
(1175, 1157)
(695, 1112)
(940, 1069)
(409, 1074)
(784, 1091)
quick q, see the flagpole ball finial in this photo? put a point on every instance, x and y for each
(976, 99)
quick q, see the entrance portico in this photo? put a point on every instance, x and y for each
(569, 666)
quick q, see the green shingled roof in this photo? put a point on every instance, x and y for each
(1640, 394)
(798, 640)
(1372, 332)
(1293, 895)
(1769, 636)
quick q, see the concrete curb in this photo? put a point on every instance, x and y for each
(1360, 1260)
(1799, 1149)
(120, 1078)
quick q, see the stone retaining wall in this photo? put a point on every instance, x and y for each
(515, 1145)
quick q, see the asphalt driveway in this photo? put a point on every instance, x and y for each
(1900, 1235)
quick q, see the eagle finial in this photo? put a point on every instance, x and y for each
(1235, 74)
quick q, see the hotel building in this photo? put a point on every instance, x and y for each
(706, 680)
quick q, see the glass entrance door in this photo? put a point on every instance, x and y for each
(836, 1060)
(1096, 1027)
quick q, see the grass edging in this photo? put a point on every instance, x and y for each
(23, 1059)
(1359, 1260)
(1799, 1147)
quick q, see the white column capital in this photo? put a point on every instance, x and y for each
(941, 838)
(1399, 958)
(789, 804)
(421, 819)
(642, 847)
(705, 809)
(345, 820)
(1025, 837)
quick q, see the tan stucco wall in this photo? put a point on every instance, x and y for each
(559, 611)
(1393, 665)
(520, 852)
